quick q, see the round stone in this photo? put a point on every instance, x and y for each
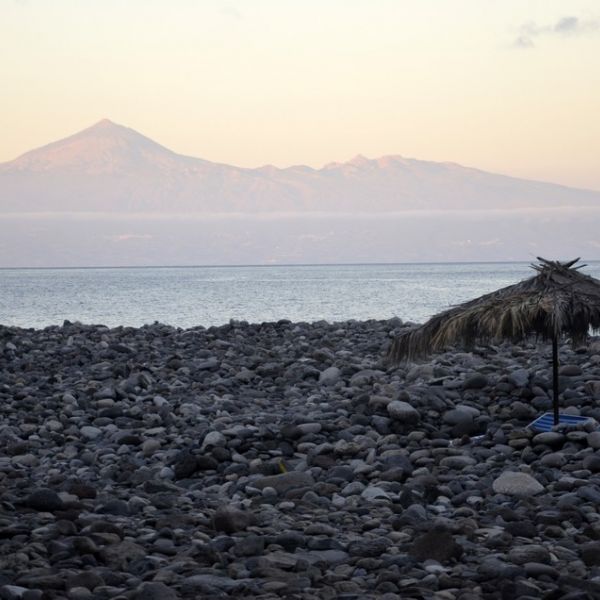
(517, 484)
(90, 433)
(403, 412)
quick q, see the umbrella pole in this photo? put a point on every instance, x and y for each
(555, 376)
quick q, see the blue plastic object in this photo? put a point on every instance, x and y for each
(546, 421)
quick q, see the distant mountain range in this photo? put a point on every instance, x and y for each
(113, 169)
(110, 196)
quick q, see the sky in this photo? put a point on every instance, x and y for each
(506, 86)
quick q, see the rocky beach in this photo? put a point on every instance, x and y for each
(287, 460)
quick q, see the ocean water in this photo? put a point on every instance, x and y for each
(191, 296)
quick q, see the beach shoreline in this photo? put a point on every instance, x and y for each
(280, 460)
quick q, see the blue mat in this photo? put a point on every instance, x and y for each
(546, 421)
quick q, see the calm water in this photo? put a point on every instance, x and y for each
(190, 296)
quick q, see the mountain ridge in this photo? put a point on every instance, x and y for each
(112, 168)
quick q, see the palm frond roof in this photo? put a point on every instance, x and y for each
(558, 300)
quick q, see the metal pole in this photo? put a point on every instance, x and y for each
(555, 375)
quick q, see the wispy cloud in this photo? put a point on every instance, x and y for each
(568, 26)
(231, 12)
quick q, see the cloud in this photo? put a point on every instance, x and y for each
(568, 26)
(524, 41)
(231, 12)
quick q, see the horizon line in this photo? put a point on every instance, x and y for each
(275, 265)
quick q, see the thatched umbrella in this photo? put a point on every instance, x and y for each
(558, 301)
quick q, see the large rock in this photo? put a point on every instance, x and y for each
(519, 377)
(118, 556)
(372, 492)
(329, 376)
(592, 388)
(90, 433)
(591, 462)
(570, 370)
(593, 440)
(86, 579)
(209, 585)
(214, 439)
(369, 548)
(251, 545)
(460, 415)
(232, 520)
(529, 553)
(549, 438)
(285, 481)
(437, 544)
(403, 412)
(475, 381)
(517, 484)
(590, 554)
(44, 500)
(185, 465)
(12, 592)
(154, 590)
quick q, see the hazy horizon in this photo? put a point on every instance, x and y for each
(293, 265)
(226, 132)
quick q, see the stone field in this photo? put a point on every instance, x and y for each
(287, 460)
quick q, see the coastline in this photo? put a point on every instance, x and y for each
(263, 460)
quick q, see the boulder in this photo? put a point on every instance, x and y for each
(517, 484)
(403, 412)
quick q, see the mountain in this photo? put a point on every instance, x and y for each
(110, 196)
(109, 168)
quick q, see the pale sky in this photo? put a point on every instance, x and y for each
(504, 85)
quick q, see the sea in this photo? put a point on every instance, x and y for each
(204, 296)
